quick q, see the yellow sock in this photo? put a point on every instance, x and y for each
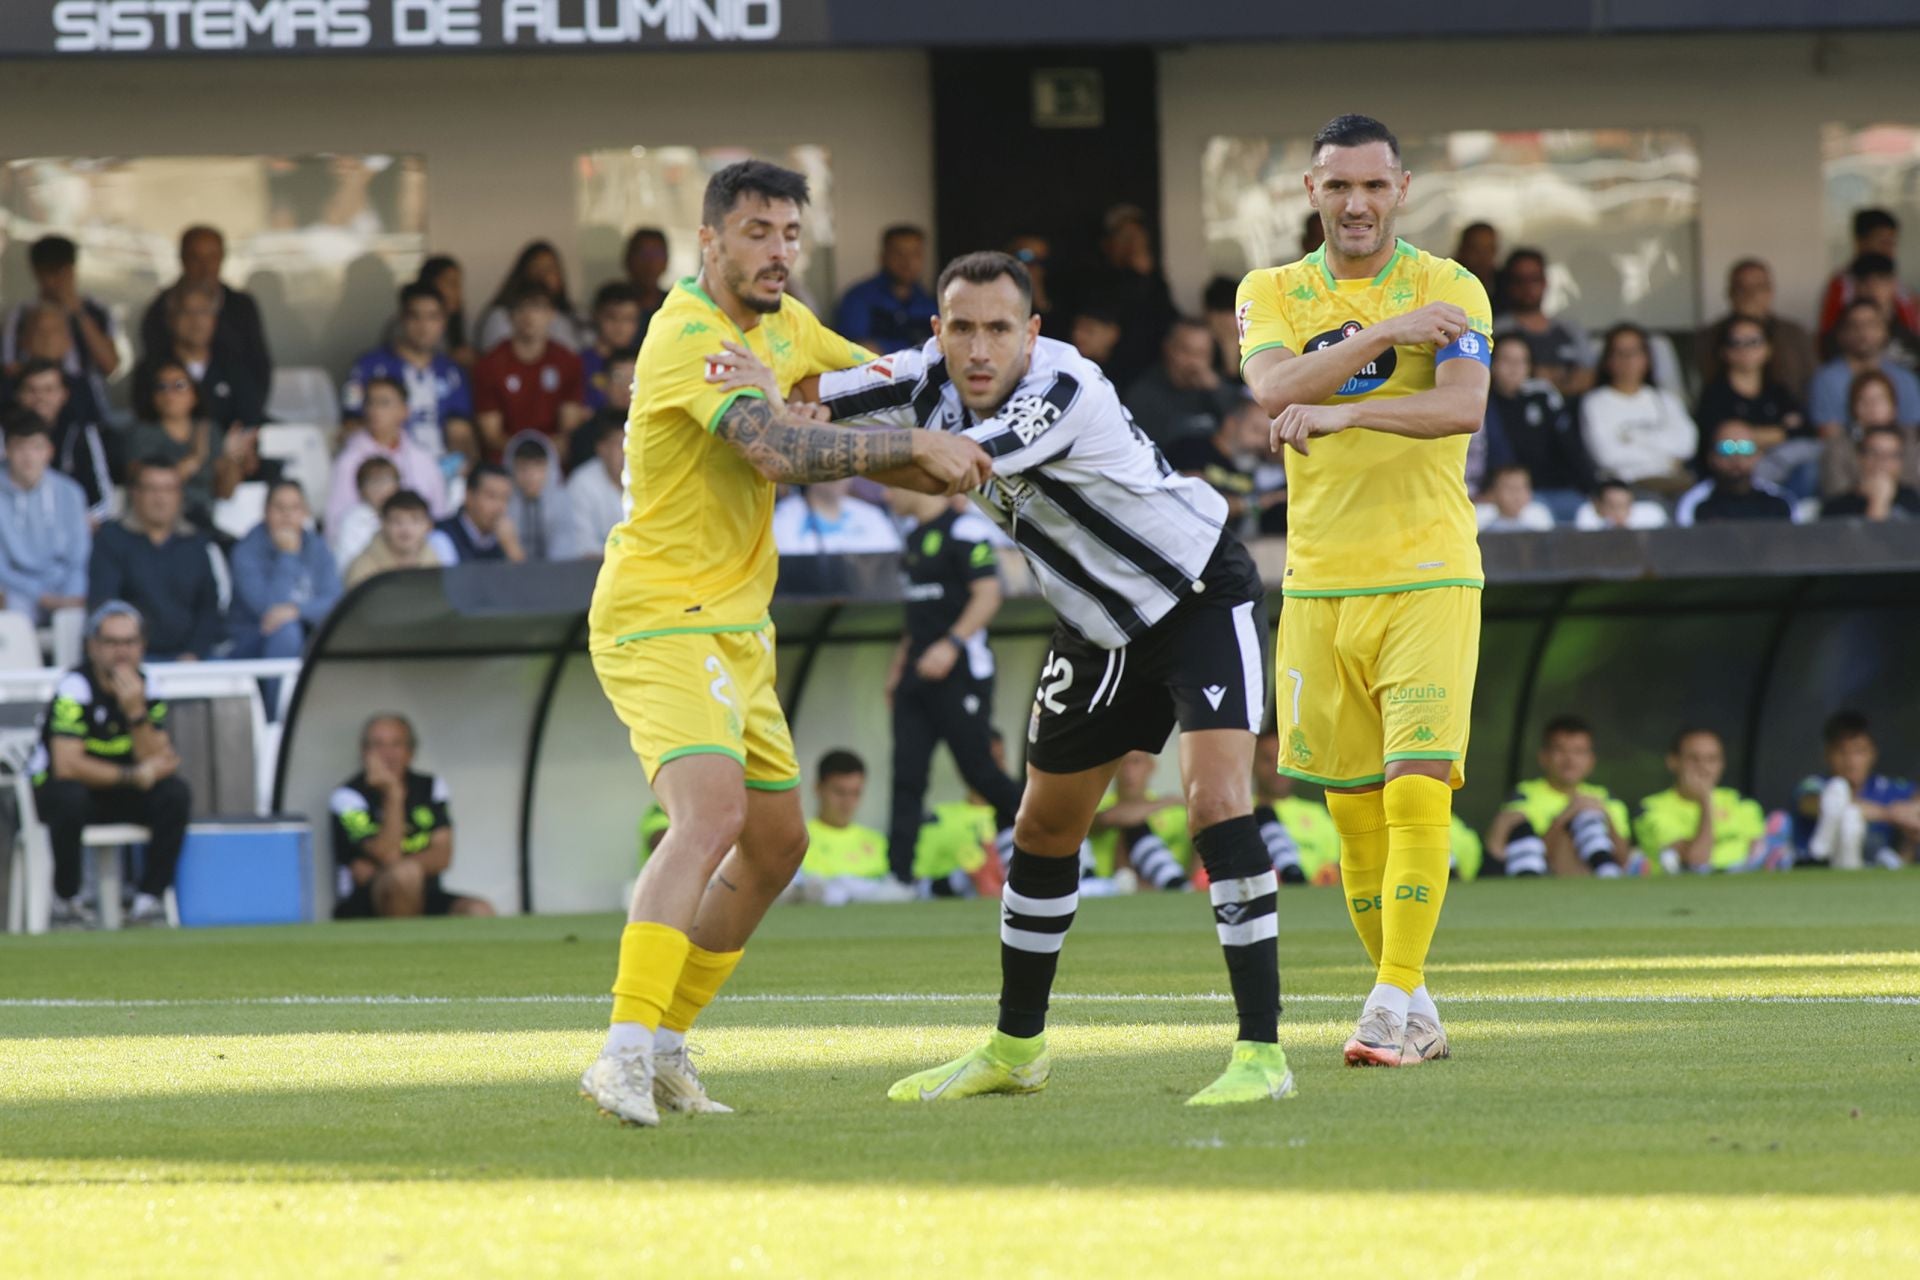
(651, 957)
(700, 981)
(1361, 821)
(1419, 819)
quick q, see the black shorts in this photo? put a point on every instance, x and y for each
(1203, 666)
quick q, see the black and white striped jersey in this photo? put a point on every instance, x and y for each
(1115, 536)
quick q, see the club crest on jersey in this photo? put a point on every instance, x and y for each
(1372, 376)
(1240, 319)
(1028, 416)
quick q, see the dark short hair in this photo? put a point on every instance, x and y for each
(371, 467)
(481, 470)
(1510, 468)
(1869, 265)
(435, 267)
(420, 291)
(1748, 264)
(1868, 221)
(201, 229)
(18, 424)
(645, 233)
(386, 380)
(286, 482)
(1472, 227)
(1843, 726)
(1355, 131)
(405, 500)
(1892, 433)
(1188, 322)
(984, 267)
(528, 293)
(37, 366)
(614, 293)
(1609, 485)
(1562, 726)
(49, 253)
(838, 763)
(530, 450)
(1846, 312)
(1693, 731)
(899, 229)
(1525, 255)
(1518, 339)
(750, 178)
(1220, 294)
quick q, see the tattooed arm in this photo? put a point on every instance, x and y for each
(790, 450)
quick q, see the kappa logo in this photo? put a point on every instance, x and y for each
(1424, 734)
(1029, 416)
(1214, 693)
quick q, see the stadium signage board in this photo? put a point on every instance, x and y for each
(186, 27)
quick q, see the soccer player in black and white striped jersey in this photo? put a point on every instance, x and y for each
(1161, 621)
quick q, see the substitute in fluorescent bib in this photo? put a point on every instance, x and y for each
(1372, 356)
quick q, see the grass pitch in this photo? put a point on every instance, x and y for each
(1700, 1078)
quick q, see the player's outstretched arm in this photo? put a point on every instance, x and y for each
(790, 450)
(1279, 378)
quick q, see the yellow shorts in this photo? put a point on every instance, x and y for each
(1367, 680)
(702, 693)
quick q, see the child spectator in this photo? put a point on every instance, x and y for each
(1510, 506)
(284, 580)
(1697, 824)
(78, 452)
(845, 861)
(1879, 493)
(1850, 816)
(616, 328)
(44, 539)
(481, 530)
(405, 526)
(385, 436)
(438, 398)
(539, 508)
(527, 382)
(91, 352)
(376, 481)
(1872, 403)
(1613, 506)
(1560, 823)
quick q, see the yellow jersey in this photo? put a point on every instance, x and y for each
(695, 551)
(1369, 512)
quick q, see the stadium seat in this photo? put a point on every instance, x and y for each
(108, 843)
(19, 642)
(304, 456)
(30, 860)
(304, 394)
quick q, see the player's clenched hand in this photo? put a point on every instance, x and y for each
(955, 463)
(1436, 324)
(808, 411)
(1299, 423)
(736, 368)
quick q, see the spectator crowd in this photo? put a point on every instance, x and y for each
(500, 437)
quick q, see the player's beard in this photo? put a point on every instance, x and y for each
(1383, 228)
(741, 287)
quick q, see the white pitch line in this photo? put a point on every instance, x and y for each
(907, 998)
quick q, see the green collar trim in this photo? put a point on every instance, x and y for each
(692, 285)
(1401, 249)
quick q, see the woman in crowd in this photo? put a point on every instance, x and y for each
(539, 265)
(1636, 431)
(172, 432)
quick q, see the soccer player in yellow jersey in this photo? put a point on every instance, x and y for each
(1374, 359)
(679, 631)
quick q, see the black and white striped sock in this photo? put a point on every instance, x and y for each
(1280, 846)
(1244, 891)
(1151, 860)
(1036, 910)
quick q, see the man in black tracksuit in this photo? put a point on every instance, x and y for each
(941, 683)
